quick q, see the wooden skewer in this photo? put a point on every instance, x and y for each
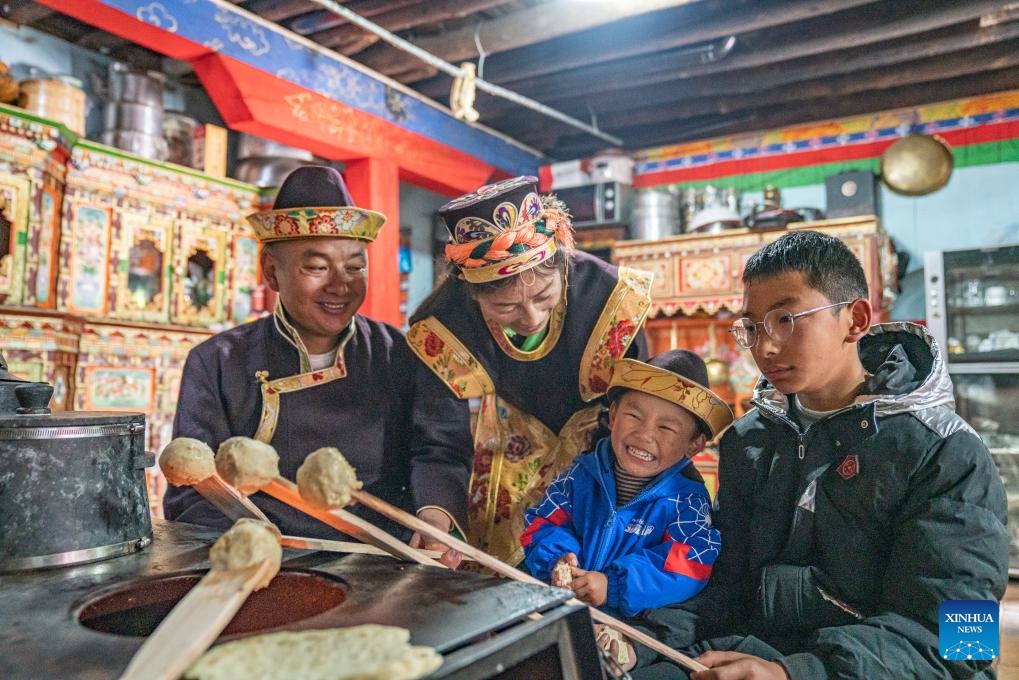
(300, 543)
(414, 524)
(236, 505)
(195, 622)
(285, 490)
(228, 500)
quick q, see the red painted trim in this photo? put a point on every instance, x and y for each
(557, 518)
(545, 178)
(677, 563)
(375, 184)
(254, 101)
(992, 132)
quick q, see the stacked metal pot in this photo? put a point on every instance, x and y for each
(134, 112)
(266, 163)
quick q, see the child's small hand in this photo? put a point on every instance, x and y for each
(590, 587)
(618, 647)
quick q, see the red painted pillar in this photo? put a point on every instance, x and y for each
(375, 184)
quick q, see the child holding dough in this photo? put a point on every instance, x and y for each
(628, 525)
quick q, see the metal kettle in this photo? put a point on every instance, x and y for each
(74, 488)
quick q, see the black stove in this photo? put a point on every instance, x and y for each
(87, 621)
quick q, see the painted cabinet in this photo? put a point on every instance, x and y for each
(33, 156)
(150, 242)
(112, 267)
(99, 366)
(700, 274)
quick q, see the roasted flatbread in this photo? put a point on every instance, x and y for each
(367, 652)
(563, 574)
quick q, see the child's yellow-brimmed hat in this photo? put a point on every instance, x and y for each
(313, 201)
(677, 376)
(503, 229)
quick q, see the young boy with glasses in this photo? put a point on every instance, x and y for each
(852, 500)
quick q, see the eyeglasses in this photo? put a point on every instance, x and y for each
(778, 324)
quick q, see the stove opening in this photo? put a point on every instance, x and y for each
(137, 608)
(547, 664)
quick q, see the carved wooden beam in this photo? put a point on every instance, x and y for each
(857, 31)
(358, 43)
(614, 93)
(860, 84)
(660, 32)
(409, 17)
(419, 73)
(278, 10)
(24, 12)
(322, 19)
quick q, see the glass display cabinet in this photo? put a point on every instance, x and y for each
(973, 312)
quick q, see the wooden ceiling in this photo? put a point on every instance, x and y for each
(682, 70)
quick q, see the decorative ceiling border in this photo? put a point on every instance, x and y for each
(966, 121)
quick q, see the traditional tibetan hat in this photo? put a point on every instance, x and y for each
(677, 376)
(504, 228)
(313, 201)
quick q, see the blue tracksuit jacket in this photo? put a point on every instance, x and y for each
(656, 550)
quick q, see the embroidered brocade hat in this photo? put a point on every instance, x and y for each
(313, 201)
(677, 376)
(504, 228)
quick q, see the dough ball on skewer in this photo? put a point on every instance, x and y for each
(247, 543)
(247, 464)
(326, 479)
(186, 461)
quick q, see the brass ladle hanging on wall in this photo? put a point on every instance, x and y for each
(916, 165)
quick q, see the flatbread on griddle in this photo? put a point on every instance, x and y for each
(367, 652)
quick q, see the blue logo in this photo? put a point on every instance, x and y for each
(968, 629)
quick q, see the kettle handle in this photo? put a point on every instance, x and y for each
(144, 459)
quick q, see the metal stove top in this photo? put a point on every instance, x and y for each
(41, 637)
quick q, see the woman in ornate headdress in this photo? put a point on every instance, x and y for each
(517, 348)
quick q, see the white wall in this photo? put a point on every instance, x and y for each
(417, 213)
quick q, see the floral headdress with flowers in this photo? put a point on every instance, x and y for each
(505, 228)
